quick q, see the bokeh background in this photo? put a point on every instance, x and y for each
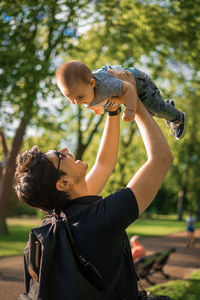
(161, 38)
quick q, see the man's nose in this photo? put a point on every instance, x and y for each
(64, 151)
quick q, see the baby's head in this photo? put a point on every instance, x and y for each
(76, 82)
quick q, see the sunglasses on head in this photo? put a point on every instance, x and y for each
(60, 156)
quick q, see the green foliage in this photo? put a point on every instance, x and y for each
(161, 202)
(33, 34)
(41, 214)
(18, 208)
(161, 37)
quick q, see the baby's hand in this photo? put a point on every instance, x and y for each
(128, 115)
(97, 110)
(125, 75)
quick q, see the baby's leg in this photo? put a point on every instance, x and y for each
(152, 99)
(163, 109)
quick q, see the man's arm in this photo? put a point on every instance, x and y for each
(148, 179)
(106, 156)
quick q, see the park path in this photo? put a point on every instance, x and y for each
(180, 265)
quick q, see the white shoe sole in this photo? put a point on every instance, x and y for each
(184, 130)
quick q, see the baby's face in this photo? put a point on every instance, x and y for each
(80, 92)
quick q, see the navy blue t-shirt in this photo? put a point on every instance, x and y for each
(99, 230)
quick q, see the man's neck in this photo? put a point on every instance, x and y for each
(79, 190)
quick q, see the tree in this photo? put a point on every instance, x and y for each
(33, 34)
(162, 37)
(185, 170)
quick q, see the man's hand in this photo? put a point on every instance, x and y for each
(114, 107)
(97, 110)
(125, 75)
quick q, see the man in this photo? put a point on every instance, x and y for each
(55, 180)
(138, 251)
(190, 228)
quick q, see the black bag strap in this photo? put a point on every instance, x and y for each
(142, 293)
(91, 269)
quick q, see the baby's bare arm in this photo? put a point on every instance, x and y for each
(130, 97)
(124, 75)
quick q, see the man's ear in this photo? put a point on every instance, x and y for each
(92, 82)
(64, 184)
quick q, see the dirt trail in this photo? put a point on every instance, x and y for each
(181, 263)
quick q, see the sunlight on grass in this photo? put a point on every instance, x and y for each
(180, 289)
(147, 228)
(195, 275)
(11, 248)
(14, 243)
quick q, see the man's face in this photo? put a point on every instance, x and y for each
(79, 92)
(75, 169)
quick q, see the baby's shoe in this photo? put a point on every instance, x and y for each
(180, 128)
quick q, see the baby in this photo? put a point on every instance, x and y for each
(100, 89)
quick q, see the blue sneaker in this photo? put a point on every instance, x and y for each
(179, 130)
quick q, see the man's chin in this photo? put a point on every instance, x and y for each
(84, 167)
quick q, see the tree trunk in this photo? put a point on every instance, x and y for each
(1, 170)
(3, 225)
(181, 203)
(198, 212)
(81, 147)
(8, 174)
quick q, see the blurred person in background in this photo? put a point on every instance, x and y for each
(190, 228)
(138, 251)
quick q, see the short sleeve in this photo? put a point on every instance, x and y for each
(106, 86)
(117, 211)
(111, 85)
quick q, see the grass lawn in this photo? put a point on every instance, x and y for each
(14, 243)
(180, 289)
(147, 228)
(157, 226)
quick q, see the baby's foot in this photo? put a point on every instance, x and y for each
(179, 129)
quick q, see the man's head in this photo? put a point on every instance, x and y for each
(76, 82)
(134, 240)
(45, 180)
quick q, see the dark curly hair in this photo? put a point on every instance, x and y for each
(36, 178)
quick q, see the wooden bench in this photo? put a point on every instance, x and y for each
(144, 267)
(161, 261)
